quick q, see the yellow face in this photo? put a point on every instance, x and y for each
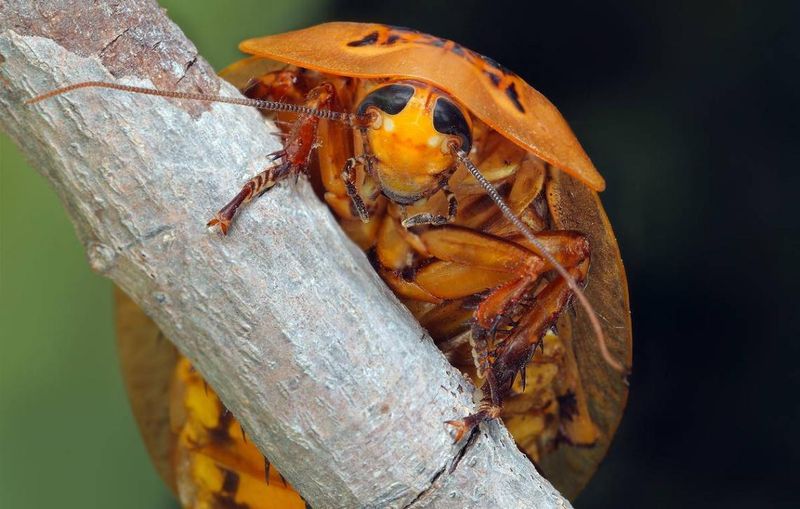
(410, 138)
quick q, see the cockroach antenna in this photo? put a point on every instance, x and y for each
(529, 235)
(360, 121)
(350, 119)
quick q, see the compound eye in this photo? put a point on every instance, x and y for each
(390, 99)
(448, 119)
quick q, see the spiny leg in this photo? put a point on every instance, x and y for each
(505, 302)
(491, 313)
(482, 251)
(471, 262)
(293, 158)
(254, 187)
(512, 356)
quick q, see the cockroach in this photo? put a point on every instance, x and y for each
(475, 203)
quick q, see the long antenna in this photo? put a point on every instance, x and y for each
(353, 119)
(350, 119)
(528, 234)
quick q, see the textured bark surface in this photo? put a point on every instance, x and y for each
(331, 377)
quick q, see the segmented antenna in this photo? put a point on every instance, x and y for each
(350, 119)
(355, 120)
(528, 234)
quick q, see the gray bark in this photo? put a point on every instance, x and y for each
(330, 375)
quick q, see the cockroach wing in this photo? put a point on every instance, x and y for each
(575, 207)
(147, 359)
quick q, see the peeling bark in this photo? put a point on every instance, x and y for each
(330, 375)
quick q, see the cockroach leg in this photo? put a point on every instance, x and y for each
(513, 305)
(462, 427)
(436, 219)
(254, 187)
(293, 158)
(513, 354)
(349, 177)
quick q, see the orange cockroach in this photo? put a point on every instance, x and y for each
(477, 206)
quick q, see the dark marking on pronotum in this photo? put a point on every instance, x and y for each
(491, 62)
(367, 40)
(511, 92)
(495, 79)
(493, 70)
(458, 49)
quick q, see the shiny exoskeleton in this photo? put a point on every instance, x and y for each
(477, 206)
(394, 181)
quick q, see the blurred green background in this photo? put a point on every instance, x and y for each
(689, 109)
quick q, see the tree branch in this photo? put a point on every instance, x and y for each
(330, 375)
